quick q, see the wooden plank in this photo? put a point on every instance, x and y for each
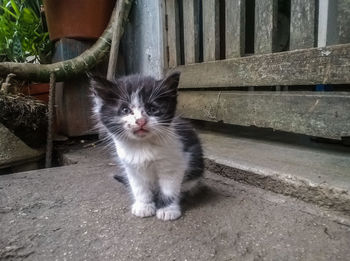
(302, 24)
(343, 21)
(301, 67)
(265, 26)
(73, 106)
(333, 22)
(144, 39)
(191, 30)
(163, 38)
(311, 113)
(235, 28)
(327, 23)
(173, 33)
(211, 30)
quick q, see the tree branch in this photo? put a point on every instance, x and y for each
(113, 54)
(82, 63)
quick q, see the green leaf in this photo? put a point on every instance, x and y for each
(21, 30)
(34, 5)
(27, 16)
(15, 7)
(17, 47)
(34, 13)
(6, 10)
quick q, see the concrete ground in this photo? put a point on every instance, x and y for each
(79, 212)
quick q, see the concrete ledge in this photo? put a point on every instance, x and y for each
(315, 173)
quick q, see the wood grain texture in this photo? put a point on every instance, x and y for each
(191, 30)
(311, 113)
(211, 30)
(343, 21)
(265, 26)
(302, 24)
(322, 23)
(173, 33)
(235, 28)
(73, 106)
(163, 37)
(300, 67)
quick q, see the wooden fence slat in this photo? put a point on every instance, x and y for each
(72, 103)
(300, 67)
(333, 22)
(173, 33)
(343, 21)
(311, 113)
(327, 23)
(235, 28)
(265, 26)
(211, 30)
(302, 24)
(191, 30)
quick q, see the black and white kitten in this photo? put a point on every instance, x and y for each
(160, 153)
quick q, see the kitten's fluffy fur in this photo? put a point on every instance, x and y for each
(160, 153)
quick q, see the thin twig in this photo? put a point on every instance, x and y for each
(48, 158)
(122, 14)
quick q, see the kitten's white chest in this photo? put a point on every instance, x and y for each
(145, 154)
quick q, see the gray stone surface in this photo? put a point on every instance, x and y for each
(79, 212)
(13, 151)
(316, 173)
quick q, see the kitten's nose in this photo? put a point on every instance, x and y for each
(141, 122)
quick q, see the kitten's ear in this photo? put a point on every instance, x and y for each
(101, 87)
(172, 81)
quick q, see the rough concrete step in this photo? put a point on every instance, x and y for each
(313, 172)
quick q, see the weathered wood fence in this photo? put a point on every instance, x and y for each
(263, 63)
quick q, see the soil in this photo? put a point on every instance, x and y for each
(26, 117)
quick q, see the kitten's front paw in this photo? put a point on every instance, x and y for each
(169, 213)
(143, 209)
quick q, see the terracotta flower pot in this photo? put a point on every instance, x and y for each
(39, 91)
(81, 19)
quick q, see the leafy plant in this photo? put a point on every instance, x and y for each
(23, 37)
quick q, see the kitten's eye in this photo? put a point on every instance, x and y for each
(126, 110)
(152, 109)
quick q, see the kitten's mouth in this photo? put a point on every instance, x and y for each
(141, 132)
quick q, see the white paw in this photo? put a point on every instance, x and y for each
(143, 209)
(168, 213)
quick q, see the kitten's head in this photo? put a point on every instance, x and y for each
(135, 107)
